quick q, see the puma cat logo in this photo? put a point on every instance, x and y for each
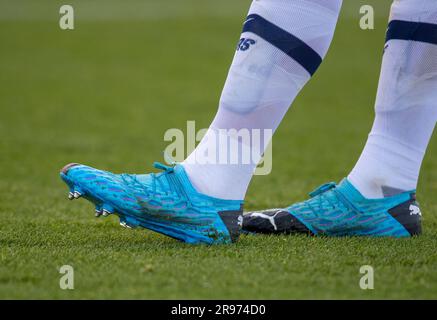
(415, 210)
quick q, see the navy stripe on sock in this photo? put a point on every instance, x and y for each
(284, 41)
(413, 31)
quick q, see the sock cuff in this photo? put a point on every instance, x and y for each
(292, 46)
(311, 21)
(412, 31)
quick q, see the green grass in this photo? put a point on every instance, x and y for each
(105, 93)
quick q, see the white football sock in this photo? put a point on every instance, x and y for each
(406, 104)
(282, 44)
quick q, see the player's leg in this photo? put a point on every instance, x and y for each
(282, 44)
(406, 104)
(378, 197)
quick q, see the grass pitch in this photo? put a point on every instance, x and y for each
(105, 93)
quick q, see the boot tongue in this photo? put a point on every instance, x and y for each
(183, 178)
(191, 191)
(349, 191)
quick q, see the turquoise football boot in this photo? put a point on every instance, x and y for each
(340, 210)
(164, 202)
